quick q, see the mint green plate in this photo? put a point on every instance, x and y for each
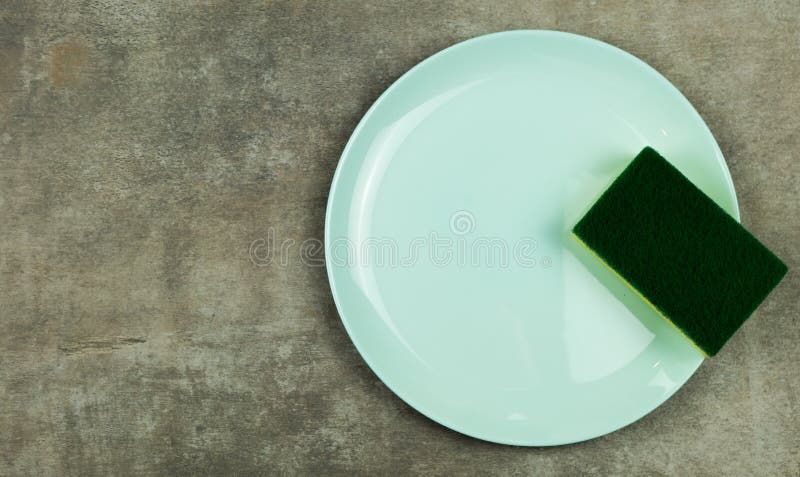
(448, 246)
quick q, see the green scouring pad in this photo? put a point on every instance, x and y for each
(679, 251)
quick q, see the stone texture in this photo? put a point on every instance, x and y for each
(144, 146)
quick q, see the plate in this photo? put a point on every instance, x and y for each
(447, 237)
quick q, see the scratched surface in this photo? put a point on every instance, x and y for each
(144, 146)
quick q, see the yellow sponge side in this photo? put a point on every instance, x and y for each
(634, 290)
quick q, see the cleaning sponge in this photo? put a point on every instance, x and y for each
(691, 261)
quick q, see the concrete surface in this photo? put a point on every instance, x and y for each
(145, 145)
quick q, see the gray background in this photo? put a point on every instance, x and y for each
(145, 145)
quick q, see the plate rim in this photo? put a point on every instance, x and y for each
(329, 267)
